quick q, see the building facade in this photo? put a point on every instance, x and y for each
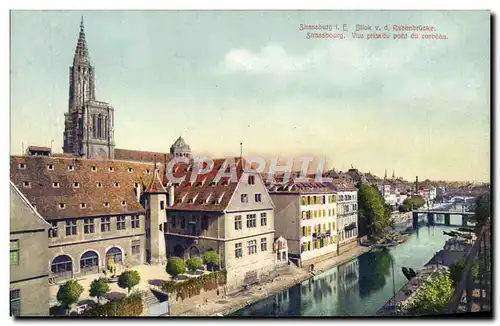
(347, 214)
(29, 279)
(89, 124)
(306, 216)
(233, 217)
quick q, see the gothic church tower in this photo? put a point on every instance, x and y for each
(89, 124)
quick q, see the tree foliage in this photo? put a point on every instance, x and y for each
(99, 287)
(482, 208)
(69, 293)
(194, 264)
(457, 271)
(128, 306)
(413, 202)
(211, 259)
(129, 279)
(432, 296)
(373, 214)
(175, 266)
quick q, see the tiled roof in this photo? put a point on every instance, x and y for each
(104, 187)
(155, 186)
(341, 185)
(206, 192)
(39, 149)
(302, 186)
(140, 156)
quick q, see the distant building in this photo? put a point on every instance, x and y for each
(180, 148)
(38, 151)
(29, 279)
(306, 217)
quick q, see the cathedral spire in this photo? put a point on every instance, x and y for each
(81, 52)
(385, 174)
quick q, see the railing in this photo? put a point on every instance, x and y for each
(463, 299)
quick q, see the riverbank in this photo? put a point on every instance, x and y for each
(232, 303)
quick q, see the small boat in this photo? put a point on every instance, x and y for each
(406, 272)
(451, 234)
(412, 273)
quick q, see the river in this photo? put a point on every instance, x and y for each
(359, 287)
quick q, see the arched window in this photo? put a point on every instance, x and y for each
(89, 263)
(94, 126)
(114, 255)
(62, 264)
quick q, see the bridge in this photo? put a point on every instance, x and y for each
(431, 214)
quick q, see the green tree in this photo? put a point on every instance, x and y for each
(69, 293)
(129, 279)
(195, 263)
(413, 202)
(98, 288)
(432, 296)
(211, 259)
(175, 266)
(373, 213)
(457, 271)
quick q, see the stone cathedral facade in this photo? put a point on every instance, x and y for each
(89, 124)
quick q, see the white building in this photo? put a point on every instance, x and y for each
(305, 214)
(347, 214)
(432, 193)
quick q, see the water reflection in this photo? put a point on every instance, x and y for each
(357, 288)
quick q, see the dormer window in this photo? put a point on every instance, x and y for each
(62, 206)
(111, 169)
(21, 166)
(93, 169)
(213, 183)
(76, 184)
(124, 203)
(106, 204)
(71, 167)
(117, 184)
(83, 205)
(136, 185)
(130, 170)
(50, 167)
(27, 184)
(148, 171)
(55, 184)
(99, 185)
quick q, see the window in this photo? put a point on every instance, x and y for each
(99, 185)
(120, 223)
(22, 166)
(111, 169)
(238, 250)
(50, 167)
(237, 222)
(304, 231)
(15, 302)
(251, 179)
(105, 224)
(88, 225)
(55, 184)
(252, 247)
(53, 230)
(106, 204)
(76, 184)
(117, 184)
(162, 204)
(83, 205)
(148, 171)
(263, 244)
(136, 247)
(27, 184)
(263, 219)
(135, 222)
(251, 220)
(183, 222)
(14, 252)
(204, 223)
(244, 198)
(130, 170)
(70, 228)
(71, 167)
(124, 203)
(93, 169)
(258, 198)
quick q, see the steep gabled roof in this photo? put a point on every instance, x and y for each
(155, 186)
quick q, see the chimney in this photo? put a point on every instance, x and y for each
(138, 192)
(171, 196)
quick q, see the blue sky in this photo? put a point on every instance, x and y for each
(420, 107)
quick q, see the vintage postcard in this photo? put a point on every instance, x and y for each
(250, 163)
